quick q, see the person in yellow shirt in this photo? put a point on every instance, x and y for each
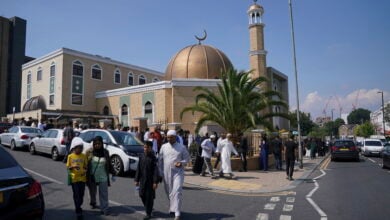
(77, 168)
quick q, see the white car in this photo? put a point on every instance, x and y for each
(50, 142)
(19, 136)
(123, 147)
(372, 147)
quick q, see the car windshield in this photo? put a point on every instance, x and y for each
(124, 138)
(373, 143)
(6, 160)
(344, 143)
(30, 130)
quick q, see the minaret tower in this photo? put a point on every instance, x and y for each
(257, 54)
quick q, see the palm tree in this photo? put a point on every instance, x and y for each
(238, 105)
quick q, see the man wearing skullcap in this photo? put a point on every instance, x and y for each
(173, 158)
(207, 150)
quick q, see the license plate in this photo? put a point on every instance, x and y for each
(1, 197)
(344, 149)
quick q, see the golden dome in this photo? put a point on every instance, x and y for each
(255, 7)
(198, 61)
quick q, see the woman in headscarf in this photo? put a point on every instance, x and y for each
(98, 174)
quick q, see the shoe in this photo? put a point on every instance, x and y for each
(93, 206)
(147, 217)
(202, 174)
(291, 179)
(177, 218)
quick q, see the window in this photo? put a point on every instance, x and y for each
(77, 83)
(28, 85)
(124, 109)
(53, 70)
(117, 77)
(148, 108)
(130, 79)
(105, 110)
(52, 83)
(51, 100)
(156, 79)
(141, 80)
(96, 72)
(39, 74)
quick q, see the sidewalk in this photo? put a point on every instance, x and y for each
(255, 181)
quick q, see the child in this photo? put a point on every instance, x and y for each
(77, 166)
(146, 178)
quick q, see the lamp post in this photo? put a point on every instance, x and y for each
(296, 86)
(331, 135)
(383, 114)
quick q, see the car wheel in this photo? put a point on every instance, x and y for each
(32, 149)
(13, 145)
(117, 165)
(54, 154)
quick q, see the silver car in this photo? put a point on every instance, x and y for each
(50, 142)
(372, 147)
(19, 136)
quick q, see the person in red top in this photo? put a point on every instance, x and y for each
(158, 137)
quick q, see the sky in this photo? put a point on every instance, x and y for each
(342, 46)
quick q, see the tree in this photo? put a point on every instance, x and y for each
(387, 112)
(364, 130)
(306, 123)
(359, 116)
(318, 132)
(238, 104)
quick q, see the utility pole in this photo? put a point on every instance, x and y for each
(296, 86)
(383, 114)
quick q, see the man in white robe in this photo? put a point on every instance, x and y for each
(173, 157)
(225, 149)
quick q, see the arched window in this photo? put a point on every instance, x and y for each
(106, 110)
(77, 83)
(124, 110)
(155, 79)
(52, 83)
(53, 69)
(28, 95)
(117, 76)
(148, 108)
(141, 80)
(39, 74)
(130, 79)
(96, 72)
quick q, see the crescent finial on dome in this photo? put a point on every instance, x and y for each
(200, 39)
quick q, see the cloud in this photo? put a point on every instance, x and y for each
(320, 105)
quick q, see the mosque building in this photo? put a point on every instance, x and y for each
(68, 84)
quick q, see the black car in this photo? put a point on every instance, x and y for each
(20, 195)
(386, 156)
(344, 149)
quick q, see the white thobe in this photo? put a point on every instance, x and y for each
(173, 176)
(225, 149)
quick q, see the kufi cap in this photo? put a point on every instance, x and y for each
(171, 133)
(212, 136)
(76, 142)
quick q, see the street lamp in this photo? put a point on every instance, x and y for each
(331, 135)
(383, 114)
(296, 86)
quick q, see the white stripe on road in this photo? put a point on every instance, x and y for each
(285, 217)
(290, 199)
(262, 216)
(45, 177)
(288, 208)
(269, 206)
(275, 199)
(308, 197)
(371, 160)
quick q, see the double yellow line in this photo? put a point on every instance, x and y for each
(325, 163)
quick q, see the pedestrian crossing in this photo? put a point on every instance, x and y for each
(287, 206)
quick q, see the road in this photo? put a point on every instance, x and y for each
(340, 190)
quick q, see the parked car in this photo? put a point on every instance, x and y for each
(372, 147)
(386, 156)
(20, 195)
(344, 149)
(19, 136)
(124, 148)
(4, 126)
(50, 142)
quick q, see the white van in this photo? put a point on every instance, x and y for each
(372, 147)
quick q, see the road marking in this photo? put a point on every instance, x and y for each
(269, 206)
(285, 217)
(288, 208)
(290, 199)
(262, 216)
(45, 177)
(275, 199)
(325, 164)
(371, 160)
(308, 197)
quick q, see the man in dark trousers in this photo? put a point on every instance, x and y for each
(276, 146)
(147, 178)
(243, 151)
(290, 148)
(68, 137)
